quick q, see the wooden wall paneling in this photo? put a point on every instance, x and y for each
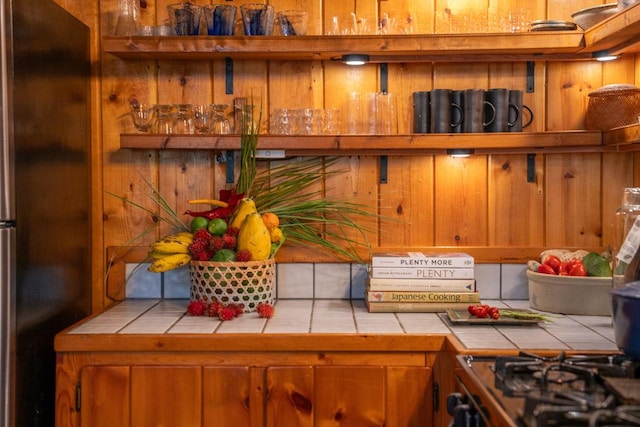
(407, 198)
(123, 171)
(568, 86)
(349, 395)
(359, 185)
(516, 207)
(461, 201)
(572, 195)
(166, 396)
(225, 396)
(184, 175)
(617, 174)
(419, 12)
(290, 396)
(460, 76)
(105, 396)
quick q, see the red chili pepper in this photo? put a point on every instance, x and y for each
(210, 214)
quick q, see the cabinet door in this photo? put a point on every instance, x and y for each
(185, 396)
(104, 397)
(349, 396)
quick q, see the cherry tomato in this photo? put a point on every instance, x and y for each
(494, 313)
(472, 309)
(564, 268)
(553, 262)
(546, 269)
(578, 269)
(482, 311)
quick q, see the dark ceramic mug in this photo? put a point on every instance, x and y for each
(440, 111)
(475, 111)
(516, 112)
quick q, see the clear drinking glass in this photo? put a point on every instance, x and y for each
(183, 122)
(164, 119)
(203, 118)
(221, 124)
(143, 116)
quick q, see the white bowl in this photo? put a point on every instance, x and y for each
(570, 294)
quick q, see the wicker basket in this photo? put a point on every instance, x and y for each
(248, 283)
(613, 106)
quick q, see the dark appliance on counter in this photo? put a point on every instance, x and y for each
(529, 390)
(45, 281)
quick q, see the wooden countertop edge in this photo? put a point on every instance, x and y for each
(259, 342)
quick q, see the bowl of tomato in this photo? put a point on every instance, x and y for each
(567, 294)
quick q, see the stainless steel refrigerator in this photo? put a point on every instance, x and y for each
(45, 282)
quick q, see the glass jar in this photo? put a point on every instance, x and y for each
(627, 237)
(184, 123)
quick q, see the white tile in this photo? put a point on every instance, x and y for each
(195, 325)
(177, 283)
(359, 275)
(422, 323)
(515, 284)
(332, 280)
(488, 280)
(140, 283)
(294, 280)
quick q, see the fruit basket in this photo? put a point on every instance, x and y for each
(247, 283)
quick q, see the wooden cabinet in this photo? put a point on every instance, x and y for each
(135, 393)
(256, 380)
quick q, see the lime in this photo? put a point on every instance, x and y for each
(224, 255)
(198, 222)
(217, 226)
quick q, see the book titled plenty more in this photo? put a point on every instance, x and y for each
(422, 259)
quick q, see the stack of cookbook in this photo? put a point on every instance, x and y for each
(420, 282)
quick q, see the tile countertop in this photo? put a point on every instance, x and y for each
(149, 316)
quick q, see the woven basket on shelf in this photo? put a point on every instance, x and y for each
(613, 106)
(249, 283)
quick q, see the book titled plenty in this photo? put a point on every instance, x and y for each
(421, 285)
(421, 273)
(426, 297)
(422, 259)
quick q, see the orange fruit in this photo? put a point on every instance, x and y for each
(271, 220)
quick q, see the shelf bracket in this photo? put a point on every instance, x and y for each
(384, 77)
(228, 75)
(531, 68)
(384, 163)
(531, 168)
(230, 171)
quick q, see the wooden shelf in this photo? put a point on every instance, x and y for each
(617, 34)
(427, 144)
(389, 48)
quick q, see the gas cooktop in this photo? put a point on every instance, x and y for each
(534, 391)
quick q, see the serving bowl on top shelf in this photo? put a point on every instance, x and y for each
(590, 16)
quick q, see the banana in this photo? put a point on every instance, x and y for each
(157, 255)
(169, 263)
(183, 236)
(170, 247)
(212, 202)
